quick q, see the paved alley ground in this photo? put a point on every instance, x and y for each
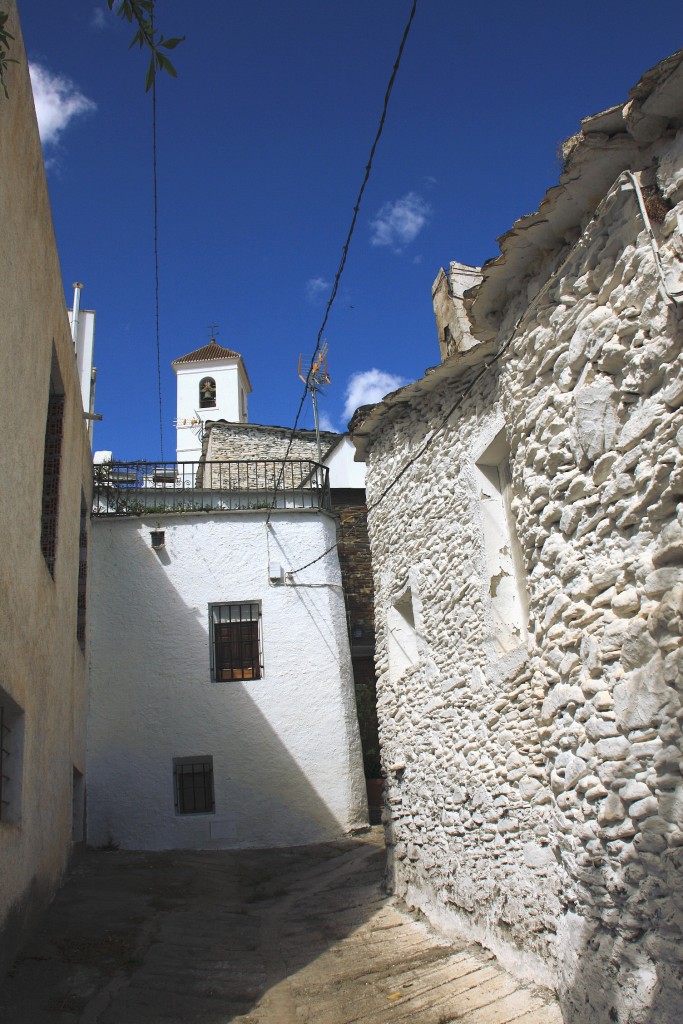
(292, 936)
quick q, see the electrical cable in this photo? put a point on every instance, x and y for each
(290, 572)
(345, 249)
(461, 396)
(505, 346)
(671, 298)
(156, 254)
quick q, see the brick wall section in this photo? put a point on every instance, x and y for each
(356, 569)
(355, 560)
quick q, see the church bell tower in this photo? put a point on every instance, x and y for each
(211, 384)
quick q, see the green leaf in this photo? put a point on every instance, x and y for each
(149, 81)
(170, 44)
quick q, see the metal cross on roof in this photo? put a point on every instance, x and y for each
(213, 328)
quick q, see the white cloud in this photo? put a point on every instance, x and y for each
(98, 19)
(316, 287)
(397, 224)
(326, 423)
(58, 101)
(368, 387)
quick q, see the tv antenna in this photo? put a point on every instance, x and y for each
(316, 379)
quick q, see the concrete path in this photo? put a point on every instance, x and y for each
(293, 936)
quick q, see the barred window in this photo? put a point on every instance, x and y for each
(51, 469)
(235, 641)
(82, 575)
(11, 756)
(193, 785)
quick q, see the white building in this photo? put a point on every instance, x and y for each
(212, 384)
(222, 709)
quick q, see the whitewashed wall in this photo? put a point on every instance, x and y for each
(286, 749)
(344, 471)
(232, 396)
(540, 806)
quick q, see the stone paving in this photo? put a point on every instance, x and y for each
(291, 936)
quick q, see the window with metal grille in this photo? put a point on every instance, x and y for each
(82, 575)
(51, 469)
(11, 752)
(236, 641)
(193, 785)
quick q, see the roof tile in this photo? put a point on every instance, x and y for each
(211, 351)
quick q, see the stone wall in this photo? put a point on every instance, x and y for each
(535, 795)
(469, 821)
(255, 441)
(592, 389)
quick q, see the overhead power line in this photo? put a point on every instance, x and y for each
(345, 249)
(156, 246)
(579, 244)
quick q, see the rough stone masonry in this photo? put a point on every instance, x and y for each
(526, 521)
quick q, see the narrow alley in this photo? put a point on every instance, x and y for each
(302, 935)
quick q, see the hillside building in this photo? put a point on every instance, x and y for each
(227, 718)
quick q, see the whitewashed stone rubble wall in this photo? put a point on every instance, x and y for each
(540, 808)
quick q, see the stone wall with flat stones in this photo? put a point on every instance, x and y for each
(235, 441)
(535, 793)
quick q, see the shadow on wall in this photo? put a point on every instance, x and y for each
(619, 943)
(152, 700)
(22, 918)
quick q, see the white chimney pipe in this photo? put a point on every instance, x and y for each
(77, 286)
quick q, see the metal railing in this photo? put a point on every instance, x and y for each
(138, 488)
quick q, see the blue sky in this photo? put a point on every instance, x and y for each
(262, 143)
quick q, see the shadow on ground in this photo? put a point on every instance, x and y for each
(189, 936)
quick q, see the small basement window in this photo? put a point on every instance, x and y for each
(193, 785)
(236, 641)
(11, 757)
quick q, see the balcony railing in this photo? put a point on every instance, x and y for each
(138, 488)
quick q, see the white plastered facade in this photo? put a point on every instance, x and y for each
(285, 748)
(232, 390)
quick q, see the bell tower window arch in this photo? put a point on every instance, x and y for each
(207, 393)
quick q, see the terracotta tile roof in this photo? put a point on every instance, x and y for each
(210, 351)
